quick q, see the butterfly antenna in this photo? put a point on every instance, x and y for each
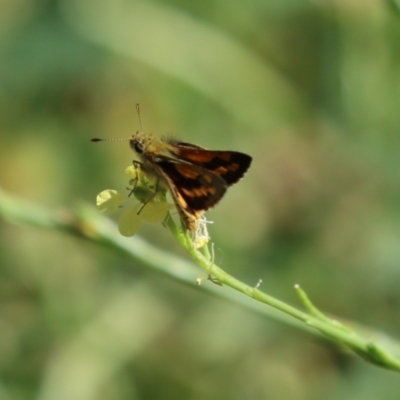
(121, 139)
(139, 117)
(108, 139)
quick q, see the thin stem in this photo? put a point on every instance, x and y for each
(316, 319)
(89, 224)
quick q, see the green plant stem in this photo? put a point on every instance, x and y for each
(88, 224)
(316, 319)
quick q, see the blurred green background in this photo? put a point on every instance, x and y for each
(311, 89)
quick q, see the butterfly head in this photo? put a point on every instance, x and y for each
(140, 142)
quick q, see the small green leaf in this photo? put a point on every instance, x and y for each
(142, 193)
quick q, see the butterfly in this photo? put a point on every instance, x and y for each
(197, 178)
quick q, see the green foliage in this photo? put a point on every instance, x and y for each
(309, 89)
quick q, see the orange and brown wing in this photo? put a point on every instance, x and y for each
(195, 189)
(229, 165)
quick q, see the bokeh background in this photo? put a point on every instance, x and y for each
(311, 89)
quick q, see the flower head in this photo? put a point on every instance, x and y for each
(145, 205)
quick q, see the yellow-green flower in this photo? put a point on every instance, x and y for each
(145, 202)
(132, 218)
(135, 212)
(108, 201)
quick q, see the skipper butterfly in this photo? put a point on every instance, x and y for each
(197, 178)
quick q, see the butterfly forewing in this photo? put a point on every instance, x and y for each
(229, 165)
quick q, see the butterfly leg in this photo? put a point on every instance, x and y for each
(137, 165)
(150, 198)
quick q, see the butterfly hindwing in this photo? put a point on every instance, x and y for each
(196, 189)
